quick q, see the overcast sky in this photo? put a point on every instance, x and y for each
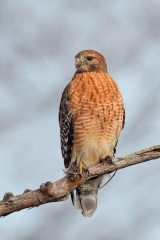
(38, 42)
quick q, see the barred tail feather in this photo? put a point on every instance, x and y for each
(86, 197)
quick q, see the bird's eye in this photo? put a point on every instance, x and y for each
(89, 58)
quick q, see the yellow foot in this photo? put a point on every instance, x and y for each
(82, 166)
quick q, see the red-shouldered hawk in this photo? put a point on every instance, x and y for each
(91, 118)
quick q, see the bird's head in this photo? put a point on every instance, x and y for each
(90, 61)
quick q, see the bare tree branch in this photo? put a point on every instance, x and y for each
(59, 191)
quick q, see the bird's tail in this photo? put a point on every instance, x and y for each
(86, 197)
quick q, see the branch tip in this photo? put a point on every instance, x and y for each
(7, 196)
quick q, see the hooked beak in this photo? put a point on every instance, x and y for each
(79, 62)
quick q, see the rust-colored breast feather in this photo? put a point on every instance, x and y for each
(97, 111)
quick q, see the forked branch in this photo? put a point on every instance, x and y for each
(60, 190)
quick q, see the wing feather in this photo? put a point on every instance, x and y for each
(66, 128)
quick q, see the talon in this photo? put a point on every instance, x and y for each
(72, 173)
(82, 167)
(108, 159)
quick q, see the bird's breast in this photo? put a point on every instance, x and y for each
(97, 110)
(93, 94)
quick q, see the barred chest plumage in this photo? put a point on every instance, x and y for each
(97, 111)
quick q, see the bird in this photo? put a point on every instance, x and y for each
(91, 117)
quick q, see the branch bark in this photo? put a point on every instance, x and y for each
(60, 190)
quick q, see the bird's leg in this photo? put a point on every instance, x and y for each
(82, 166)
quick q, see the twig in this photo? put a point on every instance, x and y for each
(60, 190)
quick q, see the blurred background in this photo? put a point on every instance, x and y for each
(38, 42)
